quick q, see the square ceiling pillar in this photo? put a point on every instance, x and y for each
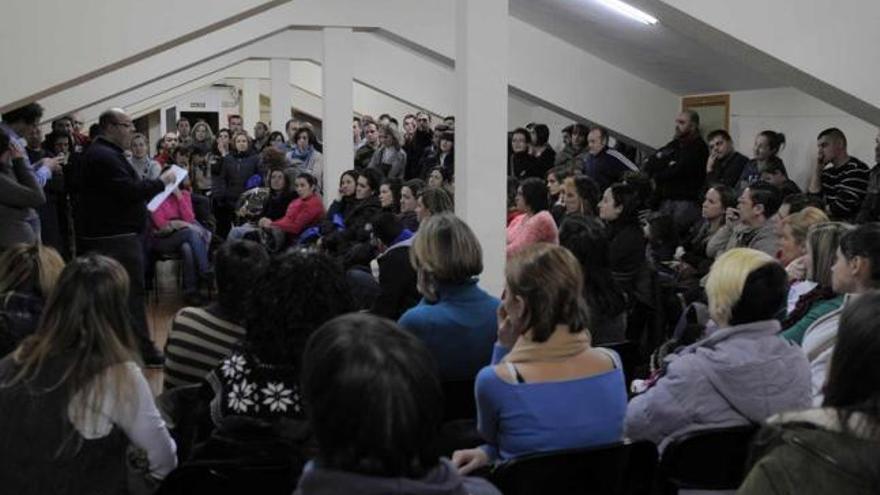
(481, 51)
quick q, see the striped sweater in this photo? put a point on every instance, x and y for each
(198, 342)
(844, 188)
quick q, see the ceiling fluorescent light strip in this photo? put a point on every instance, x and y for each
(629, 11)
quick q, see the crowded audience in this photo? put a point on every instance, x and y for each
(733, 297)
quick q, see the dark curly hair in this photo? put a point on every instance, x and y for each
(298, 293)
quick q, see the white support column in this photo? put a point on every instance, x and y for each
(279, 73)
(338, 94)
(481, 52)
(250, 104)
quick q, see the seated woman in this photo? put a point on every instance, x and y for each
(693, 262)
(433, 201)
(619, 210)
(547, 389)
(281, 194)
(439, 177)
(580, 195)
(389, 195)
(72, 396)
(456, 318)
(28, 274)
(832, 449)
(535, 224)
(175, 229)
(298, 292)
(304, 157)
(819, 298)
(741, 373)
(792, 241)
(409, 197)
(365, 364)
(606, 303)
(341, 205)
(305, 211)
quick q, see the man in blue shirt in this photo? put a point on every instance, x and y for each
(603, 164)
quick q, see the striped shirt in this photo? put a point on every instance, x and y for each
(844, 188)
(198, 342)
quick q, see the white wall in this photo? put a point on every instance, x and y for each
(801, 118)
(555, 71)
(520, 112)
(58, 41)
(834, 42)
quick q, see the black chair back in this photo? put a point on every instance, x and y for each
(459, 401)
(708, 459)
(598, 470)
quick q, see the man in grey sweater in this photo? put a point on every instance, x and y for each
(751, 224)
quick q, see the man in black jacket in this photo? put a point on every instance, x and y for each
(725, 165)
(421, 139)
(397, 278)
(679, 172)
(113, 213)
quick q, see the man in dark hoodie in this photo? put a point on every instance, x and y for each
(397, 278)
(679, 171)
(358, 371)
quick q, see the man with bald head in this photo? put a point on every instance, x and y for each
(112, 211)
(679, 172)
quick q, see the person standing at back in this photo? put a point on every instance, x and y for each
(679, 170)
(113, 213)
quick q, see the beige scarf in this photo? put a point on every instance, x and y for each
(561, 345)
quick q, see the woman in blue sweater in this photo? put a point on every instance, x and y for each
(455, 319)
(547, 388)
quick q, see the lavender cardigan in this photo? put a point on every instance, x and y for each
(735, 376)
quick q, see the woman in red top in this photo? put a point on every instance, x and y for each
(304, 212)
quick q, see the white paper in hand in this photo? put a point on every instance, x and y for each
(180, 173)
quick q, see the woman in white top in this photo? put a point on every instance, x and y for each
(72, 396)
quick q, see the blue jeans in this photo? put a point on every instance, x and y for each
(239, 231)
(193, 248)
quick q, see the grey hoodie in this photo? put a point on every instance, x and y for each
(736, 376)
(442, 480)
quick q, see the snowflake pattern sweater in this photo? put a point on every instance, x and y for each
(244, 386)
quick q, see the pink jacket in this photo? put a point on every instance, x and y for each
(174, 209)
(301, 214)
(526, 230)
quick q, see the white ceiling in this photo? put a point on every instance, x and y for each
(655, 53)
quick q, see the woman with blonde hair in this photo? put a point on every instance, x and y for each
(741, 373)
(792, 240)
(202, 136)
(455, 318)
(28, 274)
(814, 297)
(544, 367)
(390, 158)
(72, 396)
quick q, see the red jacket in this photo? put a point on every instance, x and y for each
(301, 214)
